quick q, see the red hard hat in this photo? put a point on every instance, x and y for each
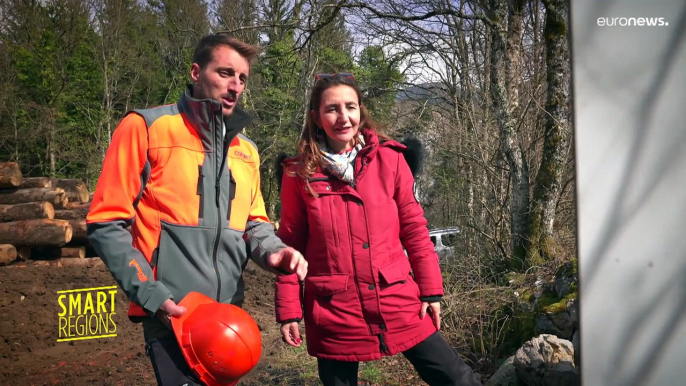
(221, 342)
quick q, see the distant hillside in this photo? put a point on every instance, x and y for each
(435, 93)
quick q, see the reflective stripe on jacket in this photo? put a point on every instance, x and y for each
(192, 198)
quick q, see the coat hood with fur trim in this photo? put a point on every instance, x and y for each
(414, 154)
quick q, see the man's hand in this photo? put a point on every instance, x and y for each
(167, 310)
(290, 333)
(435, 310)
(290, 261)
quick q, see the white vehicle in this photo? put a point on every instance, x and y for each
(445, 240)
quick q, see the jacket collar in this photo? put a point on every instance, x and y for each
(365, 155)
(203, 112)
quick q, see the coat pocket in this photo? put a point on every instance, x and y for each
(398, 295)
(184, 263)
(327, 309)
(325, 209)
(327, 286)
(395, 272)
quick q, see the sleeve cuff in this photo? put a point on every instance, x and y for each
(291, 321)
(431, 299)
(157, 297)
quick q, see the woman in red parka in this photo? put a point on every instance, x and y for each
(348, 205)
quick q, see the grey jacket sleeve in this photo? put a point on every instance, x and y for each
(261, 242)
(128, 266)
(113, 208)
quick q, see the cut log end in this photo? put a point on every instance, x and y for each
(90, 262)
(8, 254)
(75, 189)
(74, 252)
(10, 175)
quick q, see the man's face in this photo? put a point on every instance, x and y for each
(222, 79)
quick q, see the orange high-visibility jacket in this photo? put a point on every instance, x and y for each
(191, 195)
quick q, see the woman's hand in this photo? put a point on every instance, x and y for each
(290, 333)
(434, 309)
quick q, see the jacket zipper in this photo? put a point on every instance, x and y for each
(219, 228)
(382, 344)
(200, 192)
(364, 163)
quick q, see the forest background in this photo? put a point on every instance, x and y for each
(483, 84)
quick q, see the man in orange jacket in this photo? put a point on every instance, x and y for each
(187, 182)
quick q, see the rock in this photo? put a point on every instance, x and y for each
(565, 280)
(572, 310)
(559, 325)
(505, 376)
(547, 360)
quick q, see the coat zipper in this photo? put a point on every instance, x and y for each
(364, 163)
(219, 228)
(382, 344)
(200, 192)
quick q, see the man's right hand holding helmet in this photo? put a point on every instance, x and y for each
(168, 309)
(287, 259)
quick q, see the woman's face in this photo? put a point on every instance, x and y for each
(338, 116)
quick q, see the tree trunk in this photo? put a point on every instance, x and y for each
(10, 175)
(79, 235)
(36, 232)
(513, 64)
(55, 196)
(76, 190)
(35, 182)
(77, 205)
(511, 145)
(8, 254)
(71, 214)
(76, 252)
(27, 211)
(91, 262)
(549, 178)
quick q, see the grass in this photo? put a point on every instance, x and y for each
(293, 366)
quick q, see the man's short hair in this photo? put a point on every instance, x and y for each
(203, 51)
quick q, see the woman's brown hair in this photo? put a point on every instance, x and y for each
(308, 145)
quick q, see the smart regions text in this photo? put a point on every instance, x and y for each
(87, 313)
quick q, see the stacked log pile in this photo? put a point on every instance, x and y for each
(43, 219)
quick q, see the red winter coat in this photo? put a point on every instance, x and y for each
(361, 302)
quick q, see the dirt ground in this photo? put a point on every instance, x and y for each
(31, 355)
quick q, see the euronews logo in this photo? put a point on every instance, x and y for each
(632, 22)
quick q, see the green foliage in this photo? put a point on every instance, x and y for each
(550, 303)
(333, 60)
(379, 78)
(276, 99)
(522, 327)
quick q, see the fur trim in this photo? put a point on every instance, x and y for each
(414, 154)
(278, 167)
